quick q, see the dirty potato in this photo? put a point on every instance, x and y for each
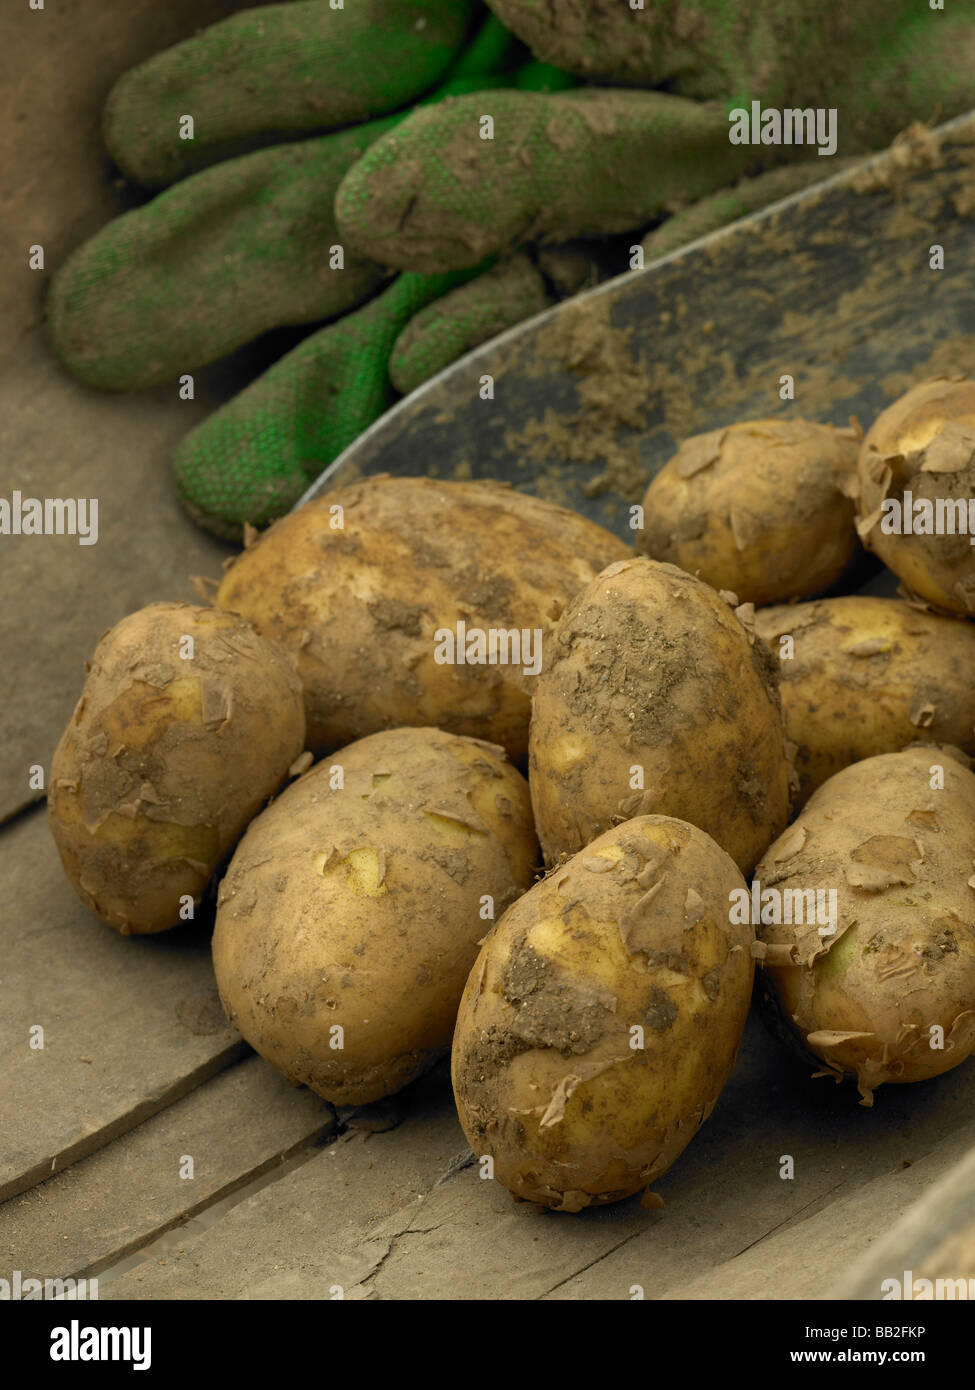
(414, 602)
(603, 1015)
(867, 909)
(763, 508)
(655, 698)
(862, 676)
(352, 911)
(917, 479)
(188, 722)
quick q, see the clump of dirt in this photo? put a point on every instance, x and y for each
(911, 152)
(553, 1010)
(612, 388)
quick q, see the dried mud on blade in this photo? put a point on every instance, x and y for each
(833, 287)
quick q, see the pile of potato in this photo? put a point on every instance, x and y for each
(710, 784)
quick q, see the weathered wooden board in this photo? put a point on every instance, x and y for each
(934, 1239)
(810, 1258)
(330, 1222)
(130, 1023)
(457, 1236)
(234, 1128)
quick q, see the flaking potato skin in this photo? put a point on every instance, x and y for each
(865, 676)
(763, 508)
(166, 759)
(898, 851)
(650, 669)
(923, 444)
(360, 603)
(551, 1081)
(361, 907)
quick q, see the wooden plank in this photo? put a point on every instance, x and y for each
(234, 1128)
(130, 1024)
(934, 1239)
(809, 1259)
(329, 1222)
(460, 1237)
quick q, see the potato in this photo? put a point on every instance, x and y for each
(917, 484)
(602, 1018)
(655, 699)
(763, 508)
(864, 676)
(361, 582)
(188, 722)
(351, 914)
(879, 981)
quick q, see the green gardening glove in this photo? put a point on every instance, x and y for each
(787, 53)
(247, 245)
(251, 460)
(244, 246)
(592, 162)
(435, 194)
(275, 73)
(210, 264)
(512, 290)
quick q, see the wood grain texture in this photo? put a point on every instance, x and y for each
(234, 1128)
(130, 1024)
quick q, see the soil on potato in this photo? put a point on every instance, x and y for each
(620, 626)
(553, 1010)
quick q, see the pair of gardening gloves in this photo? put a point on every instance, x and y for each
(462, 146)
